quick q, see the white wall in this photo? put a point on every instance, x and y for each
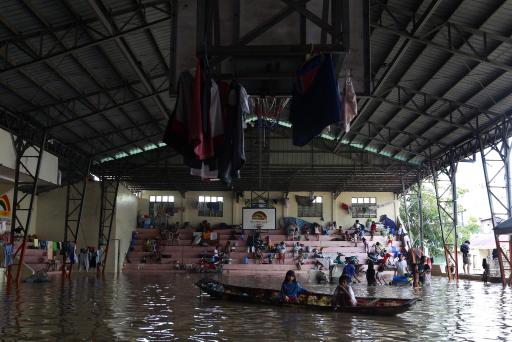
(49, 170)
(51, 216)
(386, 204)
(52, 210)
(233, 211)
(124, 224)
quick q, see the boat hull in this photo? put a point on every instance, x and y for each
(321, 301)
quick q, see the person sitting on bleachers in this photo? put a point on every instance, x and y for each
(305, 231)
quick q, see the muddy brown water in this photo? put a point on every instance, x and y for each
(168, 307)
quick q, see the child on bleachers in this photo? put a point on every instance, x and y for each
(305, 231)
(300, 259)
(258, 256)
(366, 246)
(390, 239)
(296, 234)
(317, 231)
(296, 249)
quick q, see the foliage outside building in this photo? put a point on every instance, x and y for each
(432, 234)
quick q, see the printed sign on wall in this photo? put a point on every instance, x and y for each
(264, 219)
(5, 206)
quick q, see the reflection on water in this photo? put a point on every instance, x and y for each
(167, 307)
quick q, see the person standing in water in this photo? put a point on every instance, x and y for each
(485, 275)
(343, 295)
(370, 274)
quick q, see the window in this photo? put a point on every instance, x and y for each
(212, 206)
(364, 207)
(313, 209)
(161, 205)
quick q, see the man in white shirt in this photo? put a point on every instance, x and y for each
(401, 266)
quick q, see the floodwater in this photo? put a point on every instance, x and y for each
(166, 307)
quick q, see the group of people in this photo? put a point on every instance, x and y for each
(315, 229)
(291, 289)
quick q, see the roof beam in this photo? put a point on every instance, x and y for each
(97, 94)
(111, 26)
(103, 110)
(22, 36)
(419, 113)
(453, 51)
(116, 131)
(430, 100)
(78, 47)
(402, 50)
(86, 102)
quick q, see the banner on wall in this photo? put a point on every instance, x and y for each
(265, 219)
(5, 206)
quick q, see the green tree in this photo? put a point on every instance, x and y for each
(432, 234)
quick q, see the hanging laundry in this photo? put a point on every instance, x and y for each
(8, 250)
(177, 134)
(99, 256)
(207, 124)
(315, 99)
(349, 104)
(236, 108)
(213, 140)
(92, 258)
(83, 259)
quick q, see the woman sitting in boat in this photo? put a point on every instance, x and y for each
(291, 289)
(344, 295)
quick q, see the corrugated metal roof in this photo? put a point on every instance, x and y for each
(469, 68)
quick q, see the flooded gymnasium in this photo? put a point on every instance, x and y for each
(242, 170)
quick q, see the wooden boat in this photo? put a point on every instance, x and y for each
(365, 305)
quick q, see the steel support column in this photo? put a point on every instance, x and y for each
(411, 197)
(446, 199)
(28, 164)
(496, 166)
(75, 195)
(420, 214)
(406, 207)
(109, 188)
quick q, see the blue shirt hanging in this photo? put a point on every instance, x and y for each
(316, 101)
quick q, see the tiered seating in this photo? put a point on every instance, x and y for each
(183, 252)
(35, 259)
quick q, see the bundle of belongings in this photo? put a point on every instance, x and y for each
(207, 125)
(317, 101)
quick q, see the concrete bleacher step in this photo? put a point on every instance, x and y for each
(184, 252)
(258, 267)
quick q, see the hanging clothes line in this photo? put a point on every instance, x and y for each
(207, 125)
